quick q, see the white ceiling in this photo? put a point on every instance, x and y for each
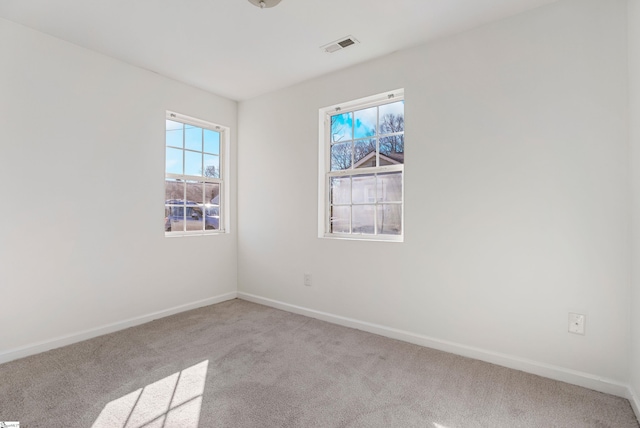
(236, 50)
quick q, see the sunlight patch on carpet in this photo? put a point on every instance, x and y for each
(172, 401)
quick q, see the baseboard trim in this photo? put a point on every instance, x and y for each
(574, 377)
(36, 348)
(634, 399)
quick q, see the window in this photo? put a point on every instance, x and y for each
(194, 176)
(362, 169)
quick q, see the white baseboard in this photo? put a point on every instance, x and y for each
(36, 348)
(574, 377)
(634, 399)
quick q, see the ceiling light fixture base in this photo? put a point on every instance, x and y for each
(263, 4)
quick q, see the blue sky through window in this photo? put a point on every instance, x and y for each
(341, 127)
(192, 150)
(365, 122)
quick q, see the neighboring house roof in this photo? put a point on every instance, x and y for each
(398, 157)
(390, 159)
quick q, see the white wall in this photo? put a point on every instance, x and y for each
(82, 171)
(516, 192)
(634, 137)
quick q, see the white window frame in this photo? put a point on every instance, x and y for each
(223, 180)
(325, 174)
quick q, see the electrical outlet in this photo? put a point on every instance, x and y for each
(576, 323)
(307, 279)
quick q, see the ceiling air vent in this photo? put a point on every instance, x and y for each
(345, 42)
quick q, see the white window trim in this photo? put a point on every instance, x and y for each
(225, 209)
(324, 170)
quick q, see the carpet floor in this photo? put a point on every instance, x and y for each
(239, 364)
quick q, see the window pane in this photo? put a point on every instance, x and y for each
(364, 154)
(167, 224)
(212, 206)
(393, 149)
(173, 191)
(392, 117)
(212, 218)
(364, 189)
(365, 122)
(363, 218)
(174, 161)
(212, 166)
(390, 219)
(341, 156)
(340, 217)
(341, 127)
(212, 193)
(390, 187)
(193, 138)
(173, 219)
(192, 163)
(194, 192)
(194, 219)
(211, 141)
(174, 134)
(340, 190)
(172, 125)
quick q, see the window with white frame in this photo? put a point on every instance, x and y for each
(362, 168)
(194, 180)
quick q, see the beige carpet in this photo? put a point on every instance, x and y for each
(238, 364)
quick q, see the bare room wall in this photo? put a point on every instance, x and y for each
(82, 246)
(516, 196)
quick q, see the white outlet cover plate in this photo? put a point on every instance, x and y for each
(576, 323)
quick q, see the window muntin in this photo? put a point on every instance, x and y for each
(364, 169)
(369, 137)
(193, 176)
(366, 204)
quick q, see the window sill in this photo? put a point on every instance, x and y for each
(354, 237)
(194, 233)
